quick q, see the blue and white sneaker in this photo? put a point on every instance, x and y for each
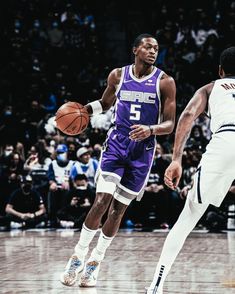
(73, 268)
(90, 274)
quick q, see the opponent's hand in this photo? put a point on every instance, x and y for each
(173, 174)
(139, 132)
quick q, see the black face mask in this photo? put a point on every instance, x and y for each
(27, 188)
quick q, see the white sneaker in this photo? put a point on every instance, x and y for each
(73, 268)
(90, 274)
(15, 225)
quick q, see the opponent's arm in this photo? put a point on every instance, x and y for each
(195, 107)
(108, 97)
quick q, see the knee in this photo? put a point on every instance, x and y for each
(115, 214)
(100, 205)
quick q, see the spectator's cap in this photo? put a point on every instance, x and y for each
(81, 151)
(61, 148)
(26, 179)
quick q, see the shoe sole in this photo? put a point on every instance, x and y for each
(86, 286)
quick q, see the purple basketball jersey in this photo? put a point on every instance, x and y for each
(123, 161)
(138, 100)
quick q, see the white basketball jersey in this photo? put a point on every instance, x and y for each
(222, 103)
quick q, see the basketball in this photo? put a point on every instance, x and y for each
(72, 118)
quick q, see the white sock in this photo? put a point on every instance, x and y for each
(187, 220)
(101, 247)
(86, 237)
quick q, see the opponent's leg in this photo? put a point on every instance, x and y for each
(109, 230)
(187, 220)
(92, 222)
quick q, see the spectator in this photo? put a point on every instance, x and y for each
(58, 176)
(25, 207)
(80, 199)
(39, 157)
(197, 138)
(85, 165)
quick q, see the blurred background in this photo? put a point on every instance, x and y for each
(53, 51)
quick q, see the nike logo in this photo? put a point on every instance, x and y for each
(127, 81)
(149, 148)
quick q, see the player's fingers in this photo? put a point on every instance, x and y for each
(176, 181)
(134, 126)
(135, 131)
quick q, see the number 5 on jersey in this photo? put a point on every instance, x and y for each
(135, 112)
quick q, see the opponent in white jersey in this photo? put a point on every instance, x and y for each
(216, 170)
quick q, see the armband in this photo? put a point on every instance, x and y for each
(96, 107)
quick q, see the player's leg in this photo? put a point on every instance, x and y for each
(91, 224)
(107, 234)
(187, 220)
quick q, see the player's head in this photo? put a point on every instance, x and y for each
(227, 62)
(145, 49)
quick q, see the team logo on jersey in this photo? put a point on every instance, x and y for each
(136, 96)
(149, 83)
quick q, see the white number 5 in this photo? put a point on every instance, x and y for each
(135, 112)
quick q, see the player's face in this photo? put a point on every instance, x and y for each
(147, 51)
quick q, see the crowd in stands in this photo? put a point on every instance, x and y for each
(53, 52)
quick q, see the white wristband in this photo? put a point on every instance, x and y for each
(96, 107)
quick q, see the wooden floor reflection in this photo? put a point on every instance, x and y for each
(31, 262)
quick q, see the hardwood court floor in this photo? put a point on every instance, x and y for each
(31, 262)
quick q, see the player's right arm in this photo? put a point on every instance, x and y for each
(108, 98)
(195, 107)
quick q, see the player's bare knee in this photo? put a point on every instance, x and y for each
(102, 202)
(116, 213)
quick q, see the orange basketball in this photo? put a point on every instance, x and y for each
(72, 118)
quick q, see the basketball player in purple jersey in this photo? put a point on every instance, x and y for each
(144, 98)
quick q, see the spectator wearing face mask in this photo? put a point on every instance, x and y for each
(25, 206)
(80, 199)
(5, 157)
(58, 176)
(85, 165)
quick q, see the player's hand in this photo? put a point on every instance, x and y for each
(139, 132)
(173, 174)
(53, 186)
(184, 192)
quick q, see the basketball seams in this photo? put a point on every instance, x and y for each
(74, 124)
(74, 112)
(81, 119)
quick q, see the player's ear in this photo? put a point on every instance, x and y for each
(221, 72)
(134, 50)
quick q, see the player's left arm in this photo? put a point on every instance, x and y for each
(168, 100)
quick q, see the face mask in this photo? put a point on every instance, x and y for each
(8, 113)
(36, 24)
(27, 188)
(17, 24)
(81, 187)
(55, 24)
(7, 152)
(62, 157)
